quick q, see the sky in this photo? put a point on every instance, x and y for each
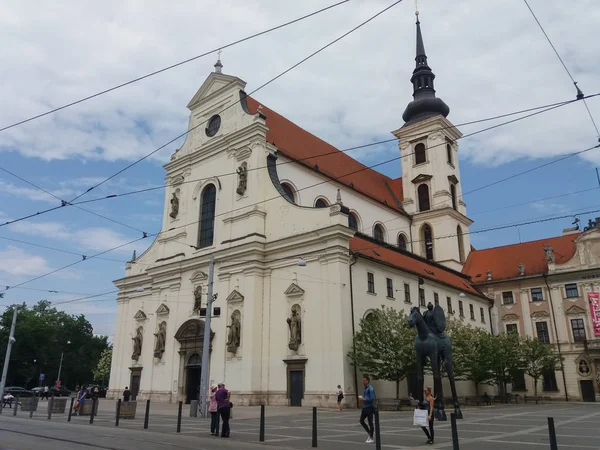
(489, 59)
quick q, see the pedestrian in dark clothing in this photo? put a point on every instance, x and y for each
(224, 408)
(428, 403)
(368, 410)
(126, 394)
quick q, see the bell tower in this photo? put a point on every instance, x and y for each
(430, 173)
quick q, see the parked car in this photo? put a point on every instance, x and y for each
(17, 391)
(37, 391)
(60, 391)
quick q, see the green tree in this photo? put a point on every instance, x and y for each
(102, 370)
(537, 358)
(505, 358)
(384, 346)
(41, 334)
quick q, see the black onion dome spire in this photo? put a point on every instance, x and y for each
(425, 103)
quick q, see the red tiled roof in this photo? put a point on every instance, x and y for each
(504, 261)
(412, 264)
(299, 144)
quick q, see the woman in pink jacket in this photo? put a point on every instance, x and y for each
(212, 409)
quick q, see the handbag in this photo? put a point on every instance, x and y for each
(420, 418)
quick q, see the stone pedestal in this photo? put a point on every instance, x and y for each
(128, 410)
(86, 408)
(194, 408)
(58, 404)
(29, 403)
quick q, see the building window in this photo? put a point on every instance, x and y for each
(427, 238)
(370, 283)
(423, 194)
(321, 203)
(420, 154)
(207, 216)
(378, 233)
(472, 312)
(518, 380)
(406, 292)
(289, 192)
(401, 242)
(390, 287)
(482, 312)
(550, 384)
(536, 294)
(352, 222)
(461, 244)
(512, 328)
(449, 305)
(453, 195)
(578, 327)
(449, 153)
(436, 299)
(213, 125)
(572, 291)
(461, 310)
(542, 332)
(421, 297)
(507, 298)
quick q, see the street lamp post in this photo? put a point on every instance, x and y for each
(61, 361)
(206, 344)
(11, 341)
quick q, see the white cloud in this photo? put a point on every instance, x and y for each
(489, 59)
(17, 262)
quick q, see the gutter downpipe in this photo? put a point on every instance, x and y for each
(353, 331)
(562, 364)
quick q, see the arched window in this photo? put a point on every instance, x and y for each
(207, 216)
(378, 232)
(427, 239)
(321, 203)
(352, 221)
(289, 192)
(453, 194)
(461, 245)
(423, 193)
(449, 153)
(401, 242)
(420, 154)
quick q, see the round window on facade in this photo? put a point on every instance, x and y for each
(213, 125)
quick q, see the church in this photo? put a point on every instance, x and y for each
(306, 242)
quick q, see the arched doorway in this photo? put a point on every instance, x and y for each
(191, 339)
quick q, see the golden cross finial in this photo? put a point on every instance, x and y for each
(416, 7)
(219, 54)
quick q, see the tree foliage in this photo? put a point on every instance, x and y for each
(41, 334)
(505, 358)
(537, 358)
(102, 370)
(384, 346)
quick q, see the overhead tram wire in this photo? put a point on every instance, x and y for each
(235, 103)
(114, 291)
(172, 66)
(579, 93)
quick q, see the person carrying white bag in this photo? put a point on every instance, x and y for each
(424, 417)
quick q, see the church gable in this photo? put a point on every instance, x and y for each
(294, 290)
(163, 310)
(214, 83)
(235, 297)
(140, 315)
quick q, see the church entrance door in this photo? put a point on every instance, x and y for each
(296, 387)
(192, 384)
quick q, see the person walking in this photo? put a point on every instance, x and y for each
(428, 404)
(224, 407)
(368, 399)
(46, 390)
(213, 409)
(340, 397)
(79, 400)
(126, 394)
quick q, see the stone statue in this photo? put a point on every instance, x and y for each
(234, 338)
(549, 254)
(137, 344)
(174, 206)
(295, 326)
(521, 269)
(197, 299)
(242, 179)
(161, 337)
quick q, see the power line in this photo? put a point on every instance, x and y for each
(579, 93)
(114, 291)
(135, 80)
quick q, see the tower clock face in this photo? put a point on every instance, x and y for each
(213, 125)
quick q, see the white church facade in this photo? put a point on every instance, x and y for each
(258, 193)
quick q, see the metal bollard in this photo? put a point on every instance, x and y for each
(455, 445)
(50, 404)
(314, 427)
(71, 409)
(147, 414)
(16, 406)
(179, 417)
(552, 432)
(34, 406)
(194, 408)
(261, 433)
(377, 430)
(118, 413)
(93, 410)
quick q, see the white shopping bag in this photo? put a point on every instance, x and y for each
(420, 418)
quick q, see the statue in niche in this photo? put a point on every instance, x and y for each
(197, 299)
(549, 254)
(137, 344)
(174, 206)
(584, 368)
(242, 172)
(295, 326)
(234, 337)
(161, 337)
